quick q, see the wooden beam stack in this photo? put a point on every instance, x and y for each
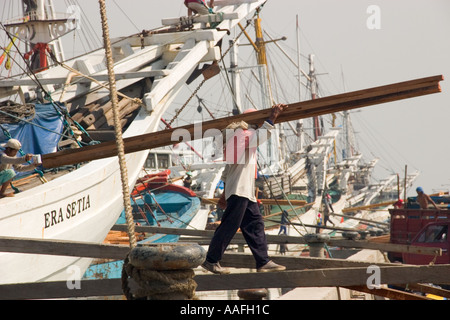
(300, 110)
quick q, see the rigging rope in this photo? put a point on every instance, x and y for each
(117, 127)
(64, 114)
(284, 195)
(204, 80)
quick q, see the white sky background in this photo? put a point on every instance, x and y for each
(413, 42)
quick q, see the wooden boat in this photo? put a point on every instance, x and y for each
(156, 202)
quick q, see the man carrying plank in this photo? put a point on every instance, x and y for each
(242, 210)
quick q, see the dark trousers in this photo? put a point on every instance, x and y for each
(240, 213)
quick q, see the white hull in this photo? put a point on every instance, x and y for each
(79, 206)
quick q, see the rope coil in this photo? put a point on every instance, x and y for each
(159, 285)
(162, 271)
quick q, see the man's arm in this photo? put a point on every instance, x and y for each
(5, 159)
(276, 111)
(432, 202)
(263, 135)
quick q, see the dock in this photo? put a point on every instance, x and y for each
(301, 272)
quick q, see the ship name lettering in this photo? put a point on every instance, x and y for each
(72, 209)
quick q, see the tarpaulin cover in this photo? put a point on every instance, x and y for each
(33, 137)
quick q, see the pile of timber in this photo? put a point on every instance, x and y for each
(100, 117)
(300, 110)
(121, 237)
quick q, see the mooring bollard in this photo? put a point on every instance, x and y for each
(253, 294)
(363, 234)
(163, 271)
(316, 242)
(350, 235)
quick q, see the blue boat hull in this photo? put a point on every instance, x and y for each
(169, 209)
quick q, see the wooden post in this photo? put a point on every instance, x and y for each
(316, 244)
(406, 177)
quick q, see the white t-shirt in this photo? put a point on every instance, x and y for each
(241, 156)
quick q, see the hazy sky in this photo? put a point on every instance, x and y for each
(404, 40)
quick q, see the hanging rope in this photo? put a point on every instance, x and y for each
(117, 127)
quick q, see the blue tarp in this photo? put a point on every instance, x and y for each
(35, 139)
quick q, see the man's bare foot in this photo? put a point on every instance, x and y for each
(11, 194)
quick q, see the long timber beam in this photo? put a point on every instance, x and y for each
(301, 110)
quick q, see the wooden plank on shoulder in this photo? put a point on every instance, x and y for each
(301, 110)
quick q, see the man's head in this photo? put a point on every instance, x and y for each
(419, 190)
(12, 146)
(249, 110)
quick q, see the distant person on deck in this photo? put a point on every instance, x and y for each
(10, 162)
(425, 200)
(187, 182)
(199, 7)
(242, 210)
(398, 204)
(327, 209)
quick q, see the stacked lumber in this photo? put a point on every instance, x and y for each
(301, 110)
(100, 117)
(121, 237)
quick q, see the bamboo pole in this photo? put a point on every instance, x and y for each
(265, 201)
(369, 206)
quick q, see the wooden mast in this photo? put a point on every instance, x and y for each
(313, 87)
(295, 111)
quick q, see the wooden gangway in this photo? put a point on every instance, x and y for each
(301, 271)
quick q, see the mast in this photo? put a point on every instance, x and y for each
(235, 77)
(300, 134)
(273, 150)
(262, 61)
(314, 86)
(349, 138)
(348, 150)
(39, 30)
